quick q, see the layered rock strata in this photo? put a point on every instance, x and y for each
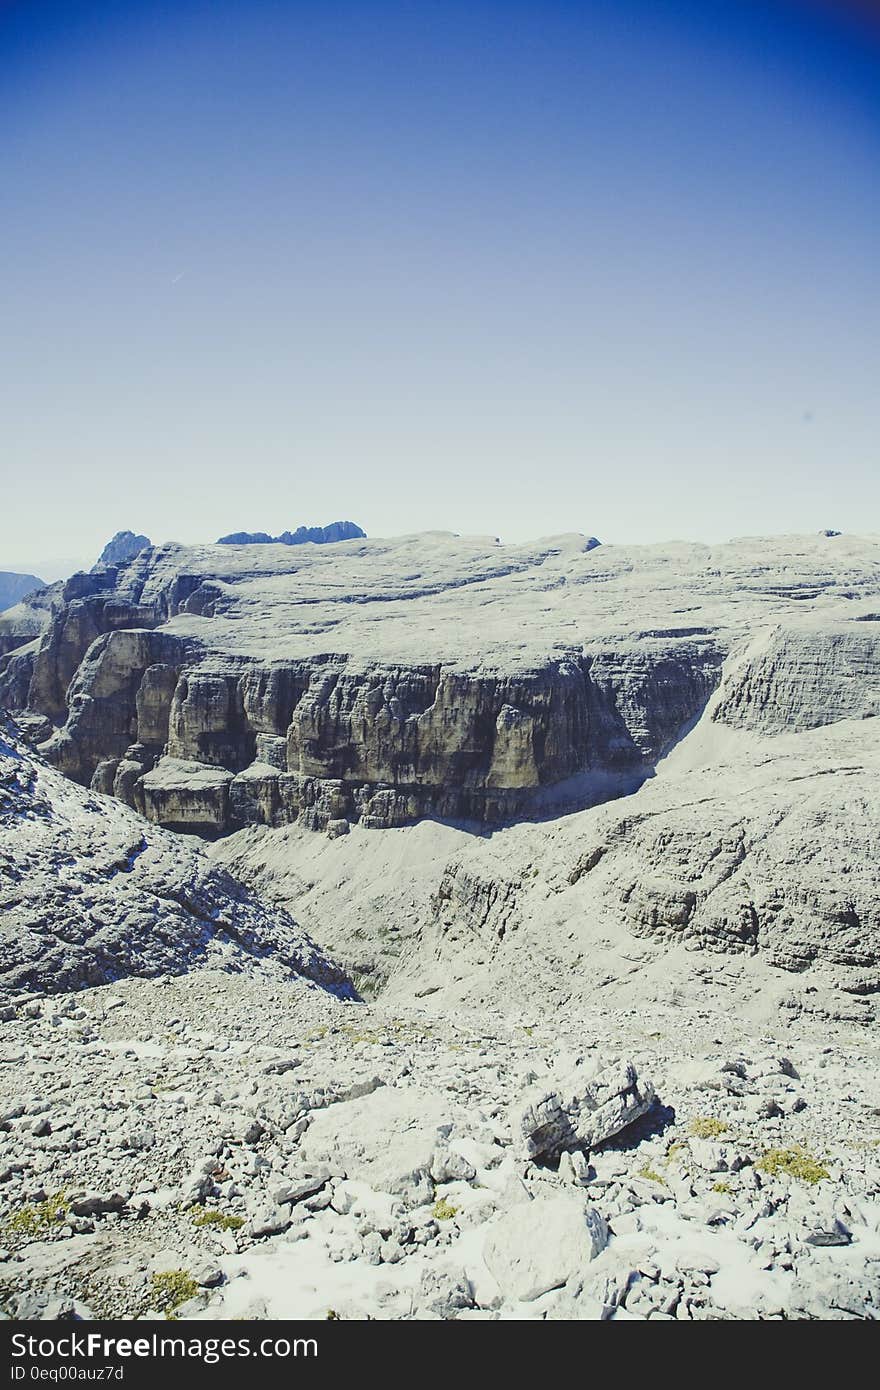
(217, 687)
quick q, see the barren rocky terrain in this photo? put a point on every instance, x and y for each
(432, 929)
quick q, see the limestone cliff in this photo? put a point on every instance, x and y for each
(215, 687)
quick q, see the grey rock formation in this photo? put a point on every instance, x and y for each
(265, 1147)
(582, 1110)
(14, 587)
(90, 894)
(799, 676)
(318, 535)
(217, 687)
(756, 845)
(124, 546)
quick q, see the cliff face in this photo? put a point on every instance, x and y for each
(803, 677)
(221, 686)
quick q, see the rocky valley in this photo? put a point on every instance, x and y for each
(435, 928)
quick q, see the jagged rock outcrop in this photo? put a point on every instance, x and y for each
(318, 535)
(214, 687)
(124, 546)
(581, 1110)
(14, 587)
(89, 894)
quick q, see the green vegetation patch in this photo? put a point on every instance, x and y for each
(38, 1217)
(707, 1127)
(794, 1162)
(652, 1175)
(171, 1288)
(443, 1210)
(209, 1216)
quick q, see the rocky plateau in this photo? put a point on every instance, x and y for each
(434, 929)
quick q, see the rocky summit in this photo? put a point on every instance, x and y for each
(319, 535)
(431, 928)
(122, 548)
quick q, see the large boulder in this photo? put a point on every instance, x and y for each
(581, 1110)
(387, 1139)
(540, 1245)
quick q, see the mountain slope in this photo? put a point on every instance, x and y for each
(90, 893)
(13, 587)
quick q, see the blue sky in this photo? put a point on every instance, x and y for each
(511, 268)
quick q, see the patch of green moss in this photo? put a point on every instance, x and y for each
(722, 1187)
(652, 1175)
(170, 1288)
(209, 1216)
(794, 1162)
(676, 1149)
(38, 1217)
(443, 1210)
(707, 1127)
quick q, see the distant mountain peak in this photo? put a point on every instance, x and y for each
(14, 587)
(319, 535)
(124, 546)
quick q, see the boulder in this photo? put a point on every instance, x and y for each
(387, 1139)
(582, 1110)
(542, 1244)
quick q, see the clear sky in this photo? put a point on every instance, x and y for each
(515, 268)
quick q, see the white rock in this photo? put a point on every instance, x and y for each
(540, 1246)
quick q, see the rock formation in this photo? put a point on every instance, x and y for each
(617, 1061)
(124, 546)
(90, 894)
(318, 535)
(432, 675)
(26, 621)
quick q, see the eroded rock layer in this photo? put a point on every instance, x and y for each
(217, 687)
